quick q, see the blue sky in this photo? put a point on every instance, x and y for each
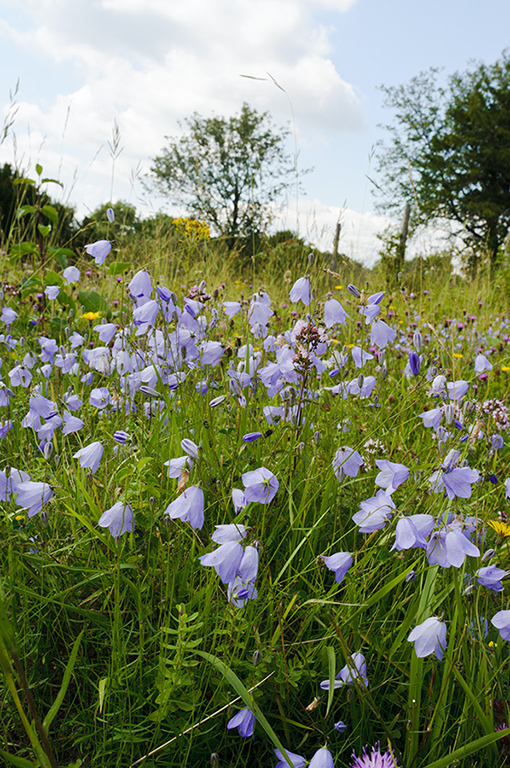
(83, 65)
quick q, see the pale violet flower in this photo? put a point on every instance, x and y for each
(189, 507)
(355, 670)
(119, 519)
(99, 250)
(90, 456)
(71, 275)
(340, 563)
(429, 637)
(346, 461)
(301, 291)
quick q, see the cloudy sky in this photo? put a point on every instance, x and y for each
(86, 66)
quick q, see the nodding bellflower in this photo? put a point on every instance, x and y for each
(189, 507)
(346, 461)
(296, 760)
(119, 519)
(260, 485)
(340, 563)
(31, 496)
(322, 759)
(244, 721)
(501, 620)
(301, 291)
(99, 250)
(429, 637)
(356, 669)
(90, 456)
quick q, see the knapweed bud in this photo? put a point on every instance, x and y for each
(355, 291)
(418, 341)
(257, 658)
(488, 555)
(449, 413)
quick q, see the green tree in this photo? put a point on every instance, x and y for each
(449, 153)
(227, 171)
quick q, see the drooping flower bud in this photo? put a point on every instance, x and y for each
(355, 291)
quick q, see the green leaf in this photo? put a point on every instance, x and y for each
(53, 181)
(65, 683)
(23, 180)
(53, 278)
(18, 762)
(331, 669)
(468, 749)
(51, 213)
(24, 209)
(93, 302)
(38, 169)
(118, 267)
(21, 249)
(44, 229)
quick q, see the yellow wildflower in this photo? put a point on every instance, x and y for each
(458, 356)
(91, 316)
(502, 529)
(338, 287)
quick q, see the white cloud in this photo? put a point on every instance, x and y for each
(147, 64)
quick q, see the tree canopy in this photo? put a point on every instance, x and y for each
(227, 171)
(449, 152)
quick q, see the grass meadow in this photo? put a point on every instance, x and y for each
(251, 506)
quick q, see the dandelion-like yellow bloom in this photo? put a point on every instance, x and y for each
(502, 529)
(90, 316)
(458, 355)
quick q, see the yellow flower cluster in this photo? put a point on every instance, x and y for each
(502, 529)
(197, 230)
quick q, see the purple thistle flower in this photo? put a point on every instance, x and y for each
(119, 519)
(375, 759)
(189, 507)
(90, 456)
(99, 250)
(244, 721)
(429, 637)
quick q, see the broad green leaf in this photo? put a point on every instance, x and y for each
(119, 267)
(18, 762)
(93, 302)
(24, 209)
(51, 213)
(44, 229)
(53, 181)
(38, 169)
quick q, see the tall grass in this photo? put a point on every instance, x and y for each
(128, 643)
